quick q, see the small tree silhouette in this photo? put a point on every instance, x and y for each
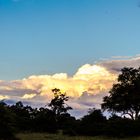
(57, 104)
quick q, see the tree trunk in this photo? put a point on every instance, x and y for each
(136, 115)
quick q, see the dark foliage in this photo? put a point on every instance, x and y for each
(57, 104)
(6, 123)
(125, 95)
(20, 118)
(122, 127)
(44, 121)
(92, 124)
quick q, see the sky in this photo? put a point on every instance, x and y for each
(51, 36)
(78, 46)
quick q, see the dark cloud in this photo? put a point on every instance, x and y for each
(116, 65)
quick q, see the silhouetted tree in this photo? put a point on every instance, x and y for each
(124, 96)
(44, 121)
(94, 115)
(92, 123)
(57, 104)
(22, 115)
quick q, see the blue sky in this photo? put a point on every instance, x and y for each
(53, 36)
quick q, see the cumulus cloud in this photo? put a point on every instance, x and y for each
(85, 88)
(90, 78)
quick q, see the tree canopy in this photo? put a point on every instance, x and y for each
(124, 96)
(58, 104)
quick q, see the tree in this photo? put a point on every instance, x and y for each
(57, 104)
(44, 121)
(6, 123)
(124, 96)
(94, 115)
(22, 115)
(92, 123)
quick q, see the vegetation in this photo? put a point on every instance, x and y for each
(125, 95)
(46, 136)
(124, 99)
(58, 105)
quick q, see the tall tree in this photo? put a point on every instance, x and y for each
(125, 94)
(57, 104)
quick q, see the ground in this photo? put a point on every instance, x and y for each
(45, 136)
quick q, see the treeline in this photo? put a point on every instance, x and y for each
(124, 99)
(19, 118)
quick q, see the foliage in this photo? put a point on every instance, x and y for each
(125, 95)
(92, 123)
(20, 118)
(6, 123)
(44, 121)
(57, 104)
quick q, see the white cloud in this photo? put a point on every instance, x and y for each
(85, 88)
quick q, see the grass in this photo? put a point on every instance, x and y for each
(45, 136)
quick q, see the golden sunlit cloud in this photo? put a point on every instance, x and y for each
(5, 88)
(3, 97)
(86, 88)
(90, 78)
(28, 96)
